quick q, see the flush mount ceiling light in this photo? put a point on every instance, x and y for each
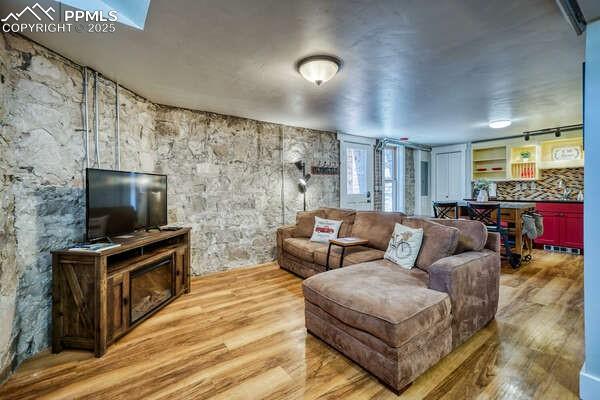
(319, 69)
(501, 123)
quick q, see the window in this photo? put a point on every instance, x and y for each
(390, 183)
(392, 166)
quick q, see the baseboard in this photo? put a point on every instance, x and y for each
(9, 368)
(589, 385)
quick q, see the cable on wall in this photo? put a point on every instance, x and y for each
(86, 131)
(282, 176)
(117, 129)
(96, 120)
(381, 143)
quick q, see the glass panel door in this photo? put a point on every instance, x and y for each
(356, 176)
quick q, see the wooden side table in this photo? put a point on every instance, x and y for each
(343, 243)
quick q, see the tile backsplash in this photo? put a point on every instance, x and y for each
(546, 188)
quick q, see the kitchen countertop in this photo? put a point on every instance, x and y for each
(533, 201)
(503, 204)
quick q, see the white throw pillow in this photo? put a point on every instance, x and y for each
(404, 246)
(325, 230)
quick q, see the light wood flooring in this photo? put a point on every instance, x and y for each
(240, 335)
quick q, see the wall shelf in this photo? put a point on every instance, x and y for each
(572, 145)
(523, 161)
(490, 158)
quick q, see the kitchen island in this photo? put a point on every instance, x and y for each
(511, 217)
(563, 222)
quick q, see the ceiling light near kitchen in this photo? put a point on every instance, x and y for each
(501, 123)
(319, 69)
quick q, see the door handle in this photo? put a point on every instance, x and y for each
(368, 194)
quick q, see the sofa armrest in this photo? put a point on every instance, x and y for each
(283, 232)
(493, 242)
(472, 280)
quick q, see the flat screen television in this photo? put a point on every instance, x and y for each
(119, 202)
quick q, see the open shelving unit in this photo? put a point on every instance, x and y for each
(518, 160)
(524, 162)
(489, 163)
(572, 146)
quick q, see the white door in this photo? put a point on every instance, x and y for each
(455, 171)
(422, 183)
(449, 176)
(442, 192)
(356, 175)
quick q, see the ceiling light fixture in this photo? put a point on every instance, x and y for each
(319, 69)
(501, 123)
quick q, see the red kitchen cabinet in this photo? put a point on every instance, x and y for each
(572, 235)
(552, 229)
(563, 224)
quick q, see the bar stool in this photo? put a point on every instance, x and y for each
(444, 209)
(489, 214)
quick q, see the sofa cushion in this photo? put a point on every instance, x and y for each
(353, 255)
(377, 297)
(302, 248)
(305, 222)
(376, 227)
(404, 246)
(472, 237)
(343, 214)
(439, 241)
(325, 230)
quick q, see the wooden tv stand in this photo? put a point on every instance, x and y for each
(99, 297)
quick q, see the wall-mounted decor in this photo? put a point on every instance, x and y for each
(567, 153)
(324, 170)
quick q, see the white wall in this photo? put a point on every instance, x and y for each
(590, 373)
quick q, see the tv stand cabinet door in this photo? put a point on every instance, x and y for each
(180, 270)
(118, 305)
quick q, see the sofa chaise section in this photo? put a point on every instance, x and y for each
(384, 319)
(397, 323)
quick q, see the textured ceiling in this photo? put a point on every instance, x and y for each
(434, 71)
(590, 9)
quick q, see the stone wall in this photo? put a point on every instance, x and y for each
(225, 180)
(230, 178)
(8, 269)
(409, 181)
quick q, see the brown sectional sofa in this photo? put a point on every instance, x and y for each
(396, 323)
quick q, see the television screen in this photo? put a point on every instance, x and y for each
(120, 202)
